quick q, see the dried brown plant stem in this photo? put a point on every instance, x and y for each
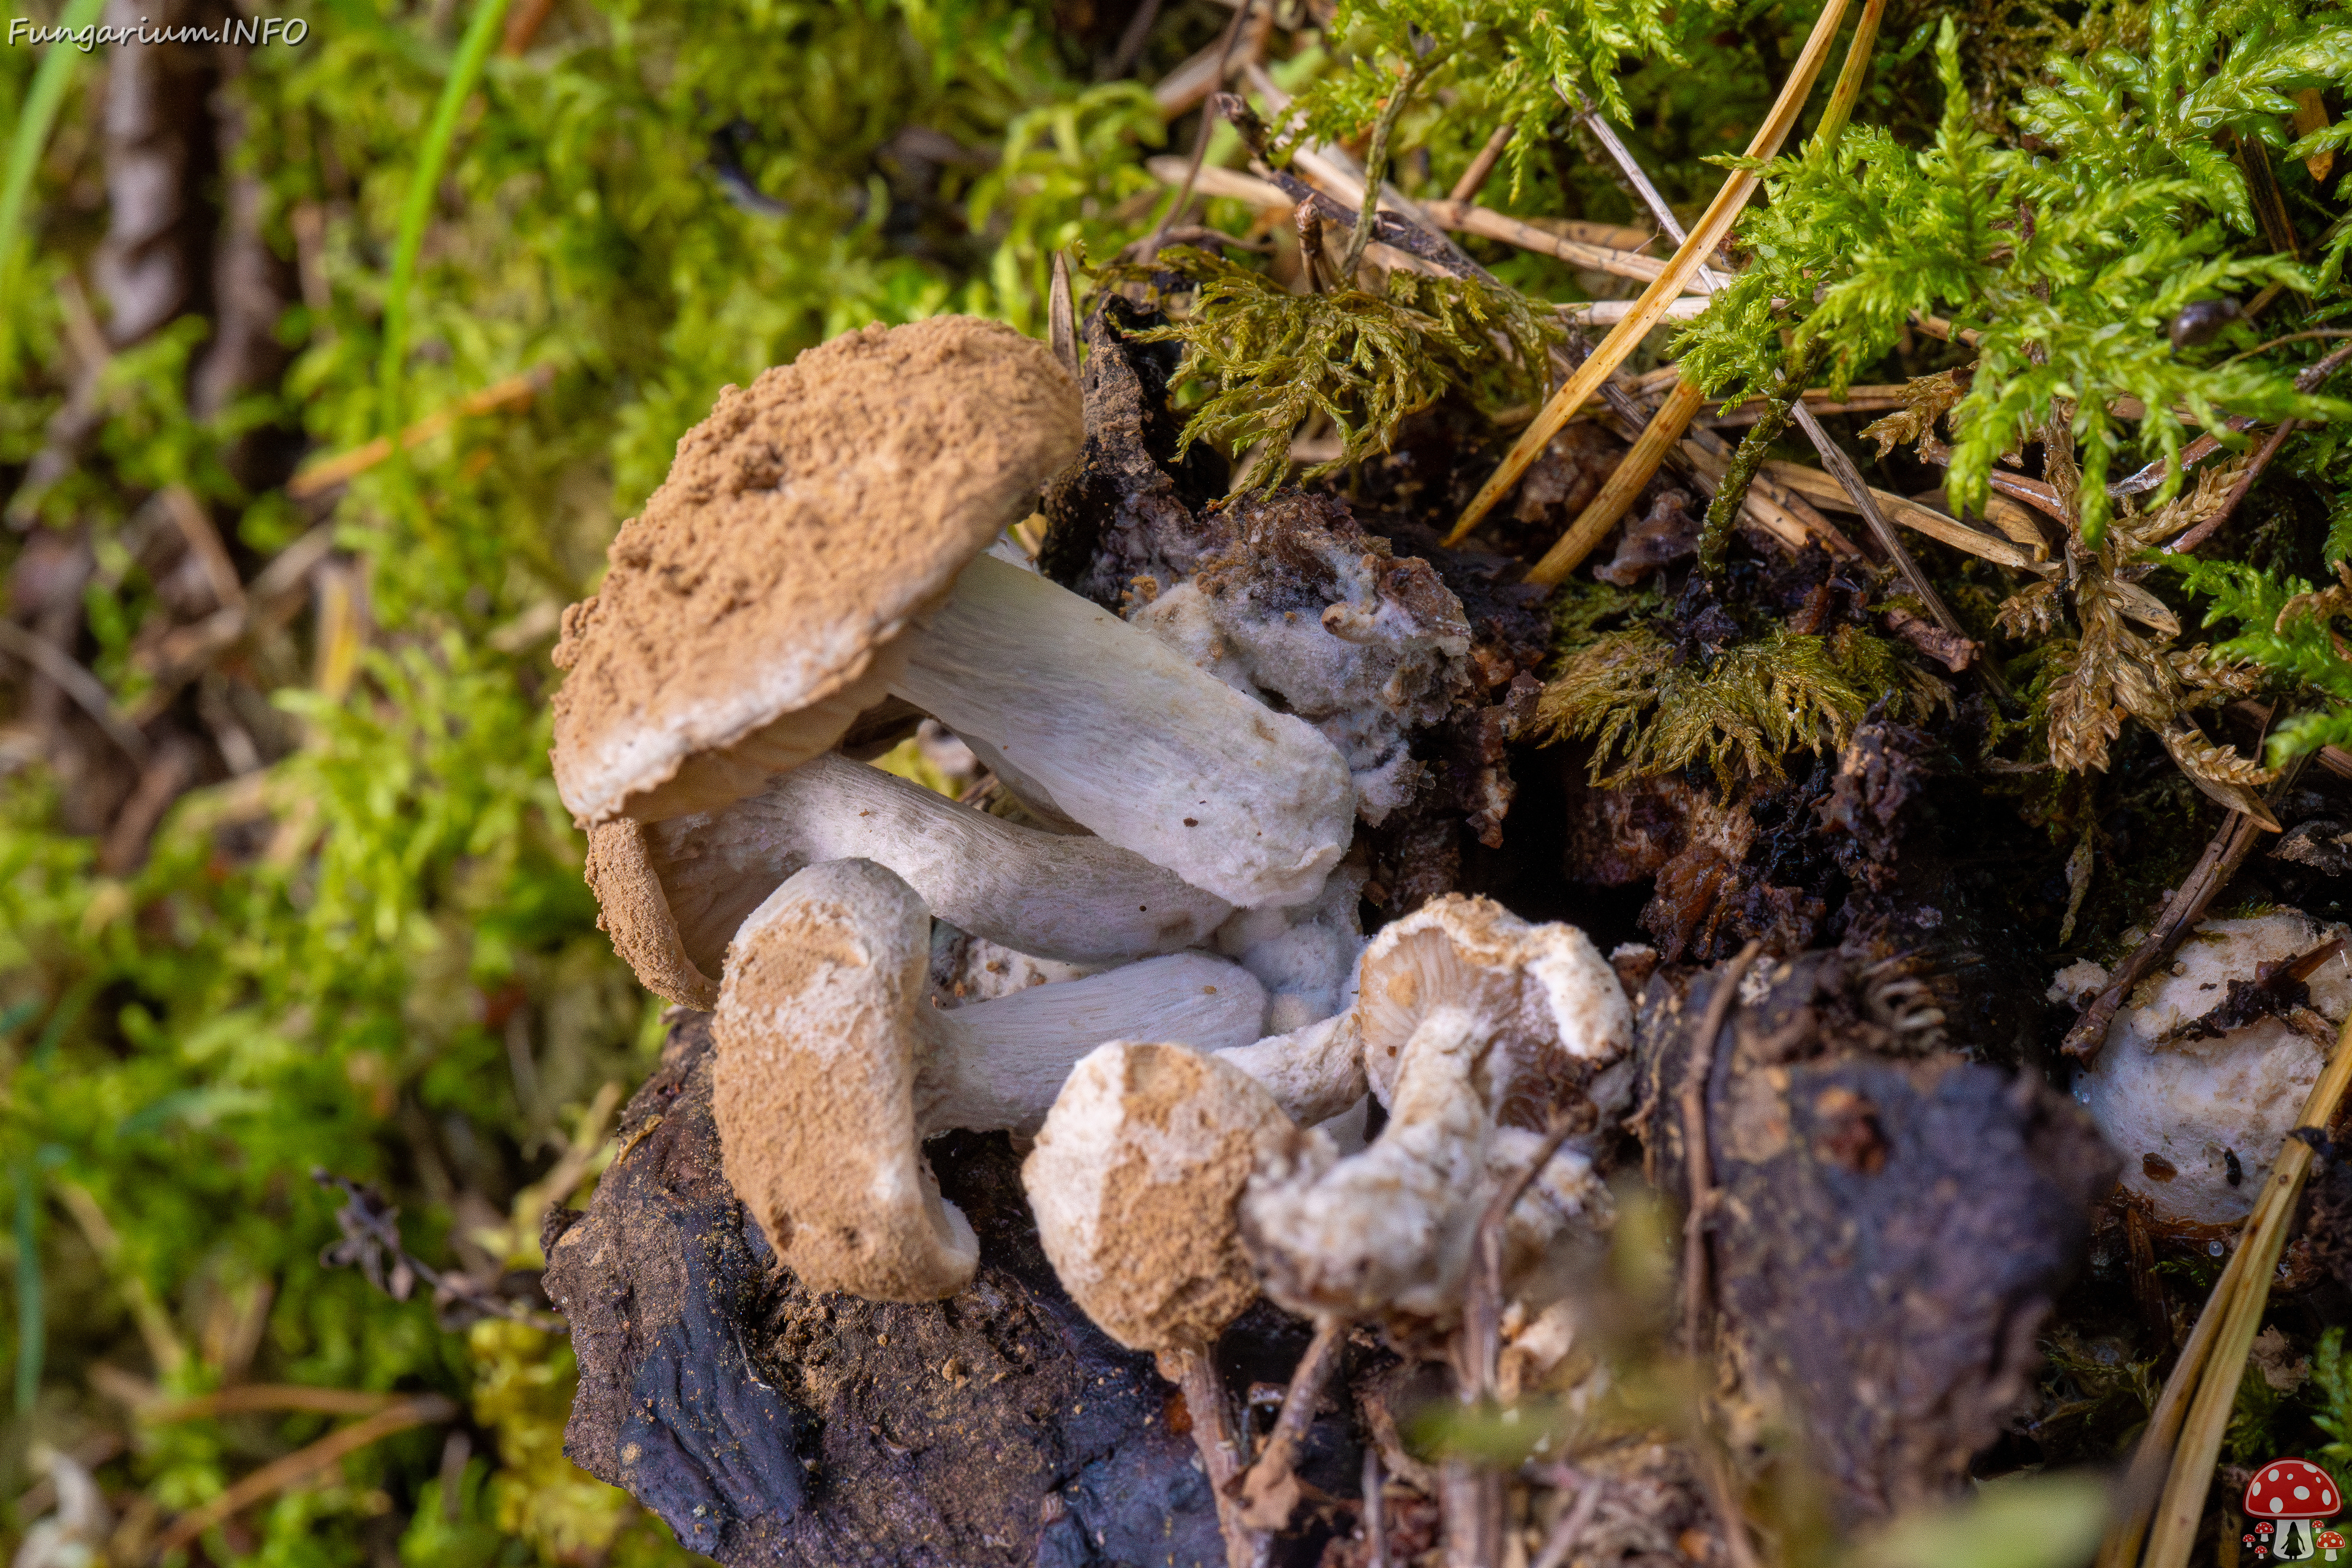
(1712, 227)
(1208, 124)
(89, 693)
(1061, 314)
(1697, 1162)
(253, 1396)
(1465, 189)
(303, 1463)
(2183, 1504)
(1193, 1370)
(1625, 483)
(1842, 469)
(2238, 492)
(1267, 1497)
(2308, 379)
(2223, 855)
(514, 392)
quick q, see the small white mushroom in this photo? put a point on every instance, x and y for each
(2188, 1114)
(1135, 1181)
(674, 891)
(833, 1067)
(1476, 1027)
(814, 547)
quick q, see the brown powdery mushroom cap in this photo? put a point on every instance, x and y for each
(751, 610)
(814, 1089)
(1134, 1182)
(833, 1067)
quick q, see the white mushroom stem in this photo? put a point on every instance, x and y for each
(1081, 900)
(1387, 1227)
(998, 1065)
(1130, 739)
(1314, 1074)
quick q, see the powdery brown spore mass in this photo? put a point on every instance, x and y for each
(802, 526)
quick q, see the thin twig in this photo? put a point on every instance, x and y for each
(1465, 189)
(302, 1463)
(1208, 123)
(2214, 524)
(1481, 1310)
(1131, 42)
(2223, 855)
(87, 690)
(2264, 1237)
(1375, 1525)
(1696, 1072)
(1687, 260)
(1569, 1527)
(2309, 379)
(1280, 1454)
(1842, 469)
(1192, 1368)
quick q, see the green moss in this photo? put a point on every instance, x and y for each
(1739, 712)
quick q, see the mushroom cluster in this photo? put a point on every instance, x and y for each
(1192, 1020)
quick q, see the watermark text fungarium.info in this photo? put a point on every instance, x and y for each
(248, 31)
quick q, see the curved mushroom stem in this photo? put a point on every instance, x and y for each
(998, 1065)
(1132, 740)
(674, 892)
(1314, 1074)
(1386, 1228)
(1192, 1366)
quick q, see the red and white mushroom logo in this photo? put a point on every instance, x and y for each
(2296, 1494)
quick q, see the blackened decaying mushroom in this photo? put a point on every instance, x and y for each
(833, 1068)
(2182, 1080)
(1889, 1230)
(673, 892)
(1477, 1030)
(814, 548)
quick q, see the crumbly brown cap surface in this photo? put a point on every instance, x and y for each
(801, 527)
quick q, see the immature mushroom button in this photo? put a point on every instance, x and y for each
(759, 602)
(674, 891)
(1476, 1028)
(782, 576)
(833, 1067)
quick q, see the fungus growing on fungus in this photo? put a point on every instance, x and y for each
(2214, 1062)
(1305, 605)
(833, 1068)
(1135, 1181)
(674, 891)
(1477, 1028)
(817, 544)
